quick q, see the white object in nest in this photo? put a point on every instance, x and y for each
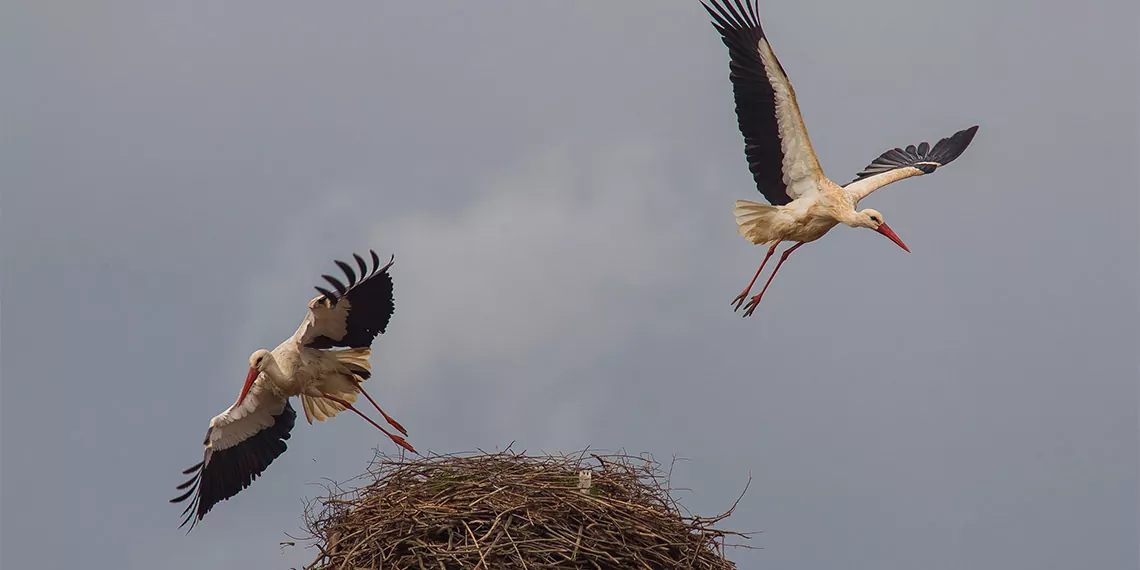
(585, 480)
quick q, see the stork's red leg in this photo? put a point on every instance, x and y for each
(395, 438)
(756, 299)
(739, 300)
(387, 418)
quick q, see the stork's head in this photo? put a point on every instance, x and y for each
(259, 359)
(874, 220)
(257, 362)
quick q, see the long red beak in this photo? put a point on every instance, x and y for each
(887, 231)
(248, 384)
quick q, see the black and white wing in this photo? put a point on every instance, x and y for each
(897, 164)
(350, 315)
(240, 443)
(776, 143)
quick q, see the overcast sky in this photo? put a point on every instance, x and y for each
(556, 181)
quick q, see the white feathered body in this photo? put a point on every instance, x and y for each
(804, 219)
(294, 370)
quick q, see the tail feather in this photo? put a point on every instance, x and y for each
(355, 359)
(753, 220)
(321, 409)
(355, 368)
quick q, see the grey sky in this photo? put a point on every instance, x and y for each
(556, 181)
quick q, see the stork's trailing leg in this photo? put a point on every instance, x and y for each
(387, 418)
(739, 300)
(395, 438)
(756, 299)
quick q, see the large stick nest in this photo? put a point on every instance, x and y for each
(508, 510)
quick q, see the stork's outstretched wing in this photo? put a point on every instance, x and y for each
(350, 315)
(897, 164)
(776, 143)
(240, 443)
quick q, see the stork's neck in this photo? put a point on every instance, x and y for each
(838, 203)
(273, 370)
(846, 214)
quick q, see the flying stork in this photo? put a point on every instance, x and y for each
(242, 441)
(803, 203)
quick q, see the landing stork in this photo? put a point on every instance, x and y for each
(803, 203)
(242, 441)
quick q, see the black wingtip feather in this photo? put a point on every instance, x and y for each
(340, 288)
(953, 146)
(193, 504)
(348, 272)
(711, 13)
(361, 264)
(722, 21)
(742, 13)
(924, 157)
(752, 8)
(327, 294)
(189, 482)
(185, 495)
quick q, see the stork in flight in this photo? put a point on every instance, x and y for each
(242, 441)
(803, 203)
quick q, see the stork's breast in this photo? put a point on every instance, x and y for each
(813, 227)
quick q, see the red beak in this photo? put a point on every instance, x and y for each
(887, 231)
(248, 384)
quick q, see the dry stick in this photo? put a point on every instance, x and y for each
(313, 564)
(481, 559)
(577, 543)
(348, 556)
(516, 547)
(485, 497)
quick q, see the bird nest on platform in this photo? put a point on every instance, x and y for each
(508, 510)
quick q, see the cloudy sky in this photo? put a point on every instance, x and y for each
(556, 181)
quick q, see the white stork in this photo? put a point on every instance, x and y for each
(803, 203)
(242, 441)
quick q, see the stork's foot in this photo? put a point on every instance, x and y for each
(402, 442)
(751, 306)
(739, 300)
